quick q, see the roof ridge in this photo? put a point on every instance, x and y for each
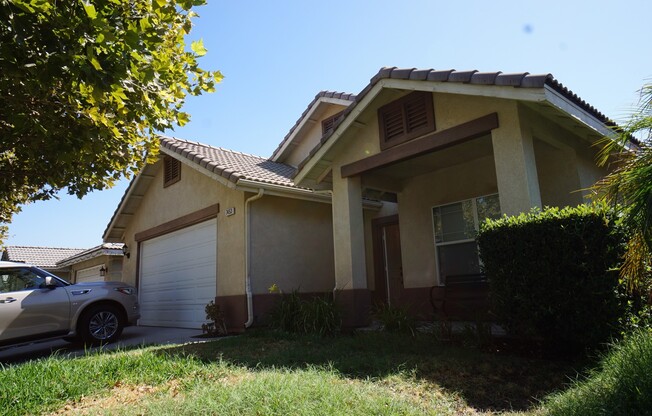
(45, 247)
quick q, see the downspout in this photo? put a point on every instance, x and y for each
(247, 213)
(330, 194)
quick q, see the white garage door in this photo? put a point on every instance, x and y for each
(92, 274)
(178, 276)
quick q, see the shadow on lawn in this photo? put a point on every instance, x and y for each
(486, 381)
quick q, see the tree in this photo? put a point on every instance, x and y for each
(629, 187)
(85, 87)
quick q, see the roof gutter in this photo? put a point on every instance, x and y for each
(247, 213)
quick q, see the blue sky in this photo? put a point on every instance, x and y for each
(276, 55)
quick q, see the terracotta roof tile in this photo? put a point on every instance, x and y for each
(44, 257)
(230, 164)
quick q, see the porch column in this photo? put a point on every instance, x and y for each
(351, 293)
(516, 169)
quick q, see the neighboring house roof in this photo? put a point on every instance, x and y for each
(44, 257)
(230, 164)
(321, 96)
(106, 249)
(516, 80)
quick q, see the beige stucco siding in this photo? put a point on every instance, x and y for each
(112, 263)
(310, 137)
(415, 203)
(291, 245)
(195, 191)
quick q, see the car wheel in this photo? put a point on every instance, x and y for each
(100, 324)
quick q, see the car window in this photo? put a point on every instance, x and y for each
(14, 280)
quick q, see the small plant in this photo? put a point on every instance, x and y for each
(317, 315)
(217, 325)
(395, 319)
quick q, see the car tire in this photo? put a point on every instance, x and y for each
(101, 324)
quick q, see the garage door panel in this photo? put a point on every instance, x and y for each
(178, 276)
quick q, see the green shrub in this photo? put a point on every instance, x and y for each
(395, 319)
(554, 276)
(317, 315)
(620, 385)
(217, 322)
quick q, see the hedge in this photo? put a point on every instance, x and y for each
(553, 276)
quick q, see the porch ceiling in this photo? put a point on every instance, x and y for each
(437, 160)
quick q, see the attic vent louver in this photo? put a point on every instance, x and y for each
(405, 119)
(171, 171)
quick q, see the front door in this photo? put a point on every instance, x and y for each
(387, 260)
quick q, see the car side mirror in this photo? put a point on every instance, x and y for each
(50, 283)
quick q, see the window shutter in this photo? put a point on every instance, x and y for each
(171, 171)
(405, 119)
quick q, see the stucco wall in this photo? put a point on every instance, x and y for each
(192, 193)
(310, 137)
(291, 245)
(112, 263)
(415, 204)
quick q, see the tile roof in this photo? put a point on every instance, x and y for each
(106, 249)
(230, 164)
(320, 95)
(44, 257)
(516, 80)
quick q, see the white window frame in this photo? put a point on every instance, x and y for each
(476, 224)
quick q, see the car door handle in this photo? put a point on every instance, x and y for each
(8, 300)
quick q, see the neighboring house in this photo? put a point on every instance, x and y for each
(100, 263)
(44, 257)
(374, 197)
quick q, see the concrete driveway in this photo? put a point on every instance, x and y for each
(131, 336)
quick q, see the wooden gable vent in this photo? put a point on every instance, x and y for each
(405, 119)
(329, 123)
(171, 171)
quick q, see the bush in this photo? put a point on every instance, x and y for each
(554, 276)
(317, 315)
(395, 319)
(620, 385)
(217, 324)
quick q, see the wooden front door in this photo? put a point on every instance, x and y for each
(388, 263)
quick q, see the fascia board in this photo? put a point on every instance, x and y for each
(128, 195)
(493, 91)
(575, 111)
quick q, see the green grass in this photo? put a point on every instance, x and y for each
(269, 373)
(620, 385)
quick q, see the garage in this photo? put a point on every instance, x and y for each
(91, 274)
(178, 276)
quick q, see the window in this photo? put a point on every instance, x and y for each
(405, 119)
(328, 123)
(15, 280)
(171, 171)
(456, 226)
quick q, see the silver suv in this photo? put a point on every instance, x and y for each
(36, 305)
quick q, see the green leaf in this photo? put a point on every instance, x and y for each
(198, 47)
(90, 10)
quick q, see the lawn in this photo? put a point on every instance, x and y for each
(270, 373)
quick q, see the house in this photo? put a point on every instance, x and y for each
(47, 258)
(374, 197)
(75, 265)
(100, 263)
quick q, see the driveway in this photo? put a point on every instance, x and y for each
(131, 336)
